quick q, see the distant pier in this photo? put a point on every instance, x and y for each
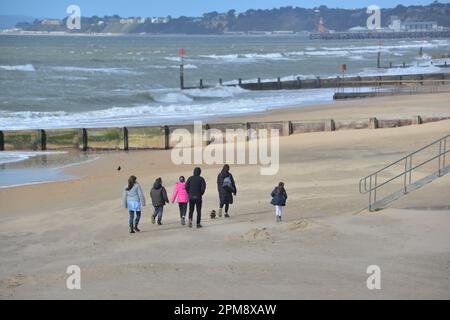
(378, 35)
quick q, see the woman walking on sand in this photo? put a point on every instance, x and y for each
(279, 197)
(133, 200)
(226, 188)
(159, 200)
(179, 191)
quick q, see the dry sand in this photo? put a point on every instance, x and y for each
(321, 250)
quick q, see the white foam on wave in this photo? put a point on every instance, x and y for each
(172, 97)
(167, 112)
(186, 66)
(94, 70)
(352, 52)
(24, 67)
(247, 57)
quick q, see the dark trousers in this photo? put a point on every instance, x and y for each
(197, 203)
(138, 217)
(227, 206)
(183, 209)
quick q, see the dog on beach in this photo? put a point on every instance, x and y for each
(213, 214)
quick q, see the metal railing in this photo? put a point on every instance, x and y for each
(370, 185)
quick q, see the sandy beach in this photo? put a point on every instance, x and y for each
(321, 250)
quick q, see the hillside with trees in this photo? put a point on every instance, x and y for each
(280, 19)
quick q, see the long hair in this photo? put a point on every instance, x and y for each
(131, 182)
(281, 186)
(226, 168)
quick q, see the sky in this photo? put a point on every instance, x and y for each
(175, 8)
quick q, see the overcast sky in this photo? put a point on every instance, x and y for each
(175, 8)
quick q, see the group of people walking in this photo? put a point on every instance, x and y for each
(189, 195)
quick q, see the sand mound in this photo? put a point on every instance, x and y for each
(298, 225)
(257, 234)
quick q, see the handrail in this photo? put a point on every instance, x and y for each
(372, 179)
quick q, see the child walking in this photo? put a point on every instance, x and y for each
(133, 200)
(279, 197)
(179, 191)
(159, 200)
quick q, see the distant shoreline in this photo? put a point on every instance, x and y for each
(71, 34)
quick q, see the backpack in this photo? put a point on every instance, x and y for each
(227, 184)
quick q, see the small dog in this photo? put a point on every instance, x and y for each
(213, 214)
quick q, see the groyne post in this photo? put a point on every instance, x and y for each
(84, 139)
(373, 123)
(299, 83)
(125, 139)
(2, 141)
(240, 82)
(330, 125)
(220, 81)
(287, 128)
(379, 60)
(279, 86)
(248, 127)
(259, 84)
(207, 134)
(166, 137)
(42, 140)
(201, 83)
(417, 120)
(181, 76)
(318, 82)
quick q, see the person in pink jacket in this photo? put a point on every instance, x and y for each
(179, 191)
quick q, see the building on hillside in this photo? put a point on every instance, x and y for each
(420, 26)
(51, 22)
(321, 28)
(396, 24)
(132, 21)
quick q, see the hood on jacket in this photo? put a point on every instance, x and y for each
(157, 185)
(197, 171)
(225, 174)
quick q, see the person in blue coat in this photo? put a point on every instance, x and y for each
(279, 198)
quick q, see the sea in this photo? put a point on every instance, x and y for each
(102, 81)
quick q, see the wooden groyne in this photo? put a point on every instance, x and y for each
(397, 88)
(337, 82)
(160, 137)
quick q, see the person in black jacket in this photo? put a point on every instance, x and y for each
(195, 187)
(279, 197)
(159, 200)
(226, 188)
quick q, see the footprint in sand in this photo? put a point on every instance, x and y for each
(14, 281)
(257, 234)
(298, 225)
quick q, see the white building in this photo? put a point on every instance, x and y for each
(396, 24)
(157, 20)
(132, 21)
(51, 22)
(420, 26)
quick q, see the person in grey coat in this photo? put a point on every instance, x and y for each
(159, 200)
(133, 200)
